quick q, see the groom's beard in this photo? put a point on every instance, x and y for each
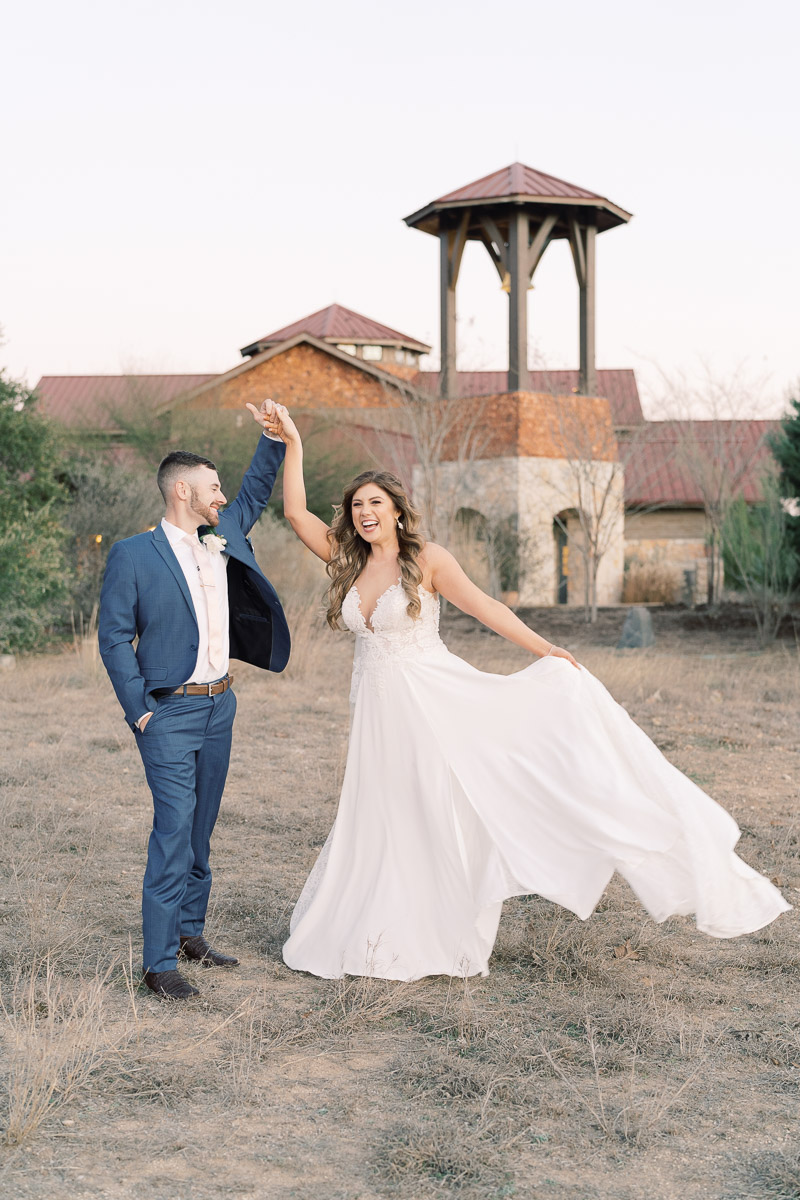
(210, 515)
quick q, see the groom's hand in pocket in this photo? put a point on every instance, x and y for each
(142, 722)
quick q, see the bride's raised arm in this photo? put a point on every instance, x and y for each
(312, 531)
(450, 581)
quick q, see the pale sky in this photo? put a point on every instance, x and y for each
(182, 177)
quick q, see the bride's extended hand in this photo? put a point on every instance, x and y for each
(560, 652)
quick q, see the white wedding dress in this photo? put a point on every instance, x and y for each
(463, 788)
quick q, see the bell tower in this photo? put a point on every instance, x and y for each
(515, 213)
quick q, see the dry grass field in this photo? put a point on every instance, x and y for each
(604, 1059)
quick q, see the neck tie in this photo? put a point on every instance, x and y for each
(202, 557)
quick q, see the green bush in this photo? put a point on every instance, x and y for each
(760, 559)
(35, 575)
(785, 446)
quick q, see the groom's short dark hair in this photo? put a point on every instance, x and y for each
(173, 466)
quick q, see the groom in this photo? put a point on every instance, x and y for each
(192, 602)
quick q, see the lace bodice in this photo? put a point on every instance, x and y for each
(395, 637)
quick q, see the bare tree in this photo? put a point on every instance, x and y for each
(443, 430)
(592, 485)
(599, 460)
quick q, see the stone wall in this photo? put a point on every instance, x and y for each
(300, 377)
(676, 538)
(535, 491)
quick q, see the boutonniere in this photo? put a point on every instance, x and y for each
(214, 541)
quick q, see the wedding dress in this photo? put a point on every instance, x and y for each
(463, 788)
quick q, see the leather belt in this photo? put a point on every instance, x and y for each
(204, 689)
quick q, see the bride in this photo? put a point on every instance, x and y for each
(464, 788)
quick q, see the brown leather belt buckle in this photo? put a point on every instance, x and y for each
(205, 689)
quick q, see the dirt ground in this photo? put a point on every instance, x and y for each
(611, 1059)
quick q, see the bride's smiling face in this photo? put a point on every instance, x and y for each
(374, 514)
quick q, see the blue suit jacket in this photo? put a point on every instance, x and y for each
(145, 595)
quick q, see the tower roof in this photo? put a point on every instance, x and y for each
(339, 324)
(515, 184)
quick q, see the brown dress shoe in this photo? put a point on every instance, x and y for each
(169, 985)
(197, 949)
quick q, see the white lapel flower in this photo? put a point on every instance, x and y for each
(214, 542)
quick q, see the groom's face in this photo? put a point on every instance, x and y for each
(205, 495)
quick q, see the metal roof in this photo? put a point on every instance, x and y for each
(618, 387)
(658, 467)
(520, 184)
(518, 180)
(339, 324)
(91, 401)
(665, 459)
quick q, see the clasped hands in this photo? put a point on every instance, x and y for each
(274, 419)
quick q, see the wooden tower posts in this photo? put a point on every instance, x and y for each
(515, 214)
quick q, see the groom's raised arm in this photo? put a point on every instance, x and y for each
(117, 632)
(253, 496)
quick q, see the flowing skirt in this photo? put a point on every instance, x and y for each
(463, 788)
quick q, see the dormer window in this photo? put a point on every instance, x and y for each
(348, 349)
(373, 353)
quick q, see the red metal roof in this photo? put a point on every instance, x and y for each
(665, 458)
(337, 323)
(658, 469)
(92, 400)
(519, 184)
(518, 180)
(618, 387)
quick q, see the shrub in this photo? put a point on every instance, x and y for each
(760, 558)
(35, 575)
(650, 581)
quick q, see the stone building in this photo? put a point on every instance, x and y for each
(519, 480)
(561, 469)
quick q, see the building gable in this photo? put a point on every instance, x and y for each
(303, 372)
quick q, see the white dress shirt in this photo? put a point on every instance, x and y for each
(202, 672)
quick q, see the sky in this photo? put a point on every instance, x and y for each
(181, 178)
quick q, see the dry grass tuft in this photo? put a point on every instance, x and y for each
(56, 1037)
(445, 1152)
(85, 651)
(635, 1112)
(774, 1177)
(539, 935)
(362, 1001)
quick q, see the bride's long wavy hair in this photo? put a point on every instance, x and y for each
(349, 551)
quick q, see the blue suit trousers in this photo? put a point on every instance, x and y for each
(185, 748)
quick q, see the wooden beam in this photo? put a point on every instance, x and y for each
(493, 255)
(492, 231)
(447, 315)
(451, 250)
(540, 242)
(587, 384)
(578, 255)
(456, 246)
(519, 379)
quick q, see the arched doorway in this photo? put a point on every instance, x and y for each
(470, 535)
(561, 545)
(488, 548)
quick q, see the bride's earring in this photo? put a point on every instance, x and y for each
(399, 523)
